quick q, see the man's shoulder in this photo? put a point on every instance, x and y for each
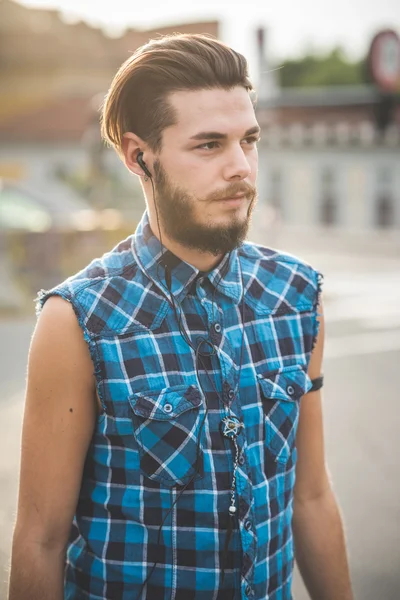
(116, 263)
(277, 279)
(262, 255)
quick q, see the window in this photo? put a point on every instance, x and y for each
(384, 212)
(328, 195)
(328, 211)
(384, 205)
(276, 199)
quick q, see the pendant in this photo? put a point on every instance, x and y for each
(230, 427)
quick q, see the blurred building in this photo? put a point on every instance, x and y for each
(53, 77)
(330, 157)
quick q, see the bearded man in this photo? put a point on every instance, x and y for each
(172, 441)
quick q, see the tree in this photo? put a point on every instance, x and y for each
(331, 69)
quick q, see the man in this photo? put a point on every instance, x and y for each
(173, 384)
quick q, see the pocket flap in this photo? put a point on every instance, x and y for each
(288, 383)
(165, 404)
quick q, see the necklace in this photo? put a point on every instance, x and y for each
(230, 427)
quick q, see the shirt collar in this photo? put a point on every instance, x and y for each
(148, 253)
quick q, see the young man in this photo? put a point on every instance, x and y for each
(172, 390)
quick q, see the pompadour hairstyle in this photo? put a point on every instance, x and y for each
(137, 100)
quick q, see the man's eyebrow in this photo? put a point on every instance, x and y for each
(216, 135)
(252, 131)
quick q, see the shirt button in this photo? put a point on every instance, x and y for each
(231, 394)
(248, 590)
(168, 408)
(217, 327)
(290, 390)
(247, 525)
(241, 459)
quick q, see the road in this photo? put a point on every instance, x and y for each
(361, 416)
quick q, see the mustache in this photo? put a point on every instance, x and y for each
(233, 189)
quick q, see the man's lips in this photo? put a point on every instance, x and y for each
(237, 197)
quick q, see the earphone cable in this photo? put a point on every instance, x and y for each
(198, 359)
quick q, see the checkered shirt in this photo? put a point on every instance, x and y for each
(154, 439)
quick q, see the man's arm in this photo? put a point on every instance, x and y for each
(320, 547)
(59, 417)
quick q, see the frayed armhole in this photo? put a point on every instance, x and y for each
(317, 306)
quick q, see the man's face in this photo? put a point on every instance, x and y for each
(206, 171)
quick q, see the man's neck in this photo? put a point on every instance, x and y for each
(203, 261)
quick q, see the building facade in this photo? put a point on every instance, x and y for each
(335, 173)
(330, 157)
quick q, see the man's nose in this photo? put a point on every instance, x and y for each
(237, 166)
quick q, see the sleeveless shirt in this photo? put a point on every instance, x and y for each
(159, 437)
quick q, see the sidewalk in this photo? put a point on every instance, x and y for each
(11, 298)
(10, 442)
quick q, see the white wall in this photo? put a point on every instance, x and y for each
(356, 182)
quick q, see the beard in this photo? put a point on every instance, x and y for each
(177, 213)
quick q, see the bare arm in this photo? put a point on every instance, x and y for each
(59, 417)
(317, 524)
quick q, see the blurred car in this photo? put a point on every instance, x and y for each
(27, 206)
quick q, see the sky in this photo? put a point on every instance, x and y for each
(293, 26)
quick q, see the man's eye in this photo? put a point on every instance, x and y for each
(252, 140)
(208, 146)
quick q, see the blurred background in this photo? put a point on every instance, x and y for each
(328, 81)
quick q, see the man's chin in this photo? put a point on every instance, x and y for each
(216, 239)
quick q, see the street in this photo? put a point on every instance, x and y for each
(361, 417)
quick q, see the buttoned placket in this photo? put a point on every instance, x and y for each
(244, 496)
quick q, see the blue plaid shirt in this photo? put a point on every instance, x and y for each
(147, 441)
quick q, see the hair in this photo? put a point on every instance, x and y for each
(137, 100)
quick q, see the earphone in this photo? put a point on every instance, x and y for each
(143, 165)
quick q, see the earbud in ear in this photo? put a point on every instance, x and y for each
(143, 164)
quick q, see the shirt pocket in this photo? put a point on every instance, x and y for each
(166, 427)
(281, 392)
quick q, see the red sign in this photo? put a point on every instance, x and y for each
(384, 60)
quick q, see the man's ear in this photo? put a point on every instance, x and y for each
(131, 146)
